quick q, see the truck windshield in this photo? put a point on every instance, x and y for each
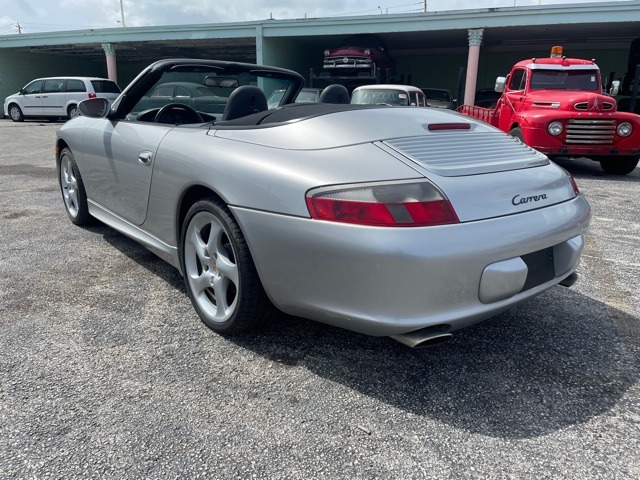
(565, 80)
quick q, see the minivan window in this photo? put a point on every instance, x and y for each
(53, 85)
(105, 86)
(75, 86)
(33, 87)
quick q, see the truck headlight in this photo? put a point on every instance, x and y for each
(326, 53)
(555, 128)
(624, 129)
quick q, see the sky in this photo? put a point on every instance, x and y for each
(34, 16)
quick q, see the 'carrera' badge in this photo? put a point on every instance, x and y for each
(518, 200)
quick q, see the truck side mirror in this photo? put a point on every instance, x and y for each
(500, 83)
(615, 87)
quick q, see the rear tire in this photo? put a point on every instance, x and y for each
(619, 165)
(517, 133)
(219, 273)
(72, 111)
(15, 113)
(72, 189)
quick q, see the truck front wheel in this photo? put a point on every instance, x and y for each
(619, 165)
(517, 133)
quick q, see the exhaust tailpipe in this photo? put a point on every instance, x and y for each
(425, 337)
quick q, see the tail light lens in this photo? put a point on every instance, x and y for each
(574, 185)
(407, 204)
(92, 95)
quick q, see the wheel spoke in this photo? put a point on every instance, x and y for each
(220, 286)
(215, 238)
(200, 247)
(227, 269)
(201, 282)
(73, 197)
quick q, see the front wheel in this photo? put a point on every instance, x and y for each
(72, 188)
(619, 165)
(221, 278)
(15, 113)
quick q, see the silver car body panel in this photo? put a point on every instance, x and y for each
(386, 281)
(116, 176)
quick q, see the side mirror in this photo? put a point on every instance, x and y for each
(500, 83)
(21, 91)
(615, 87)
(95, 107)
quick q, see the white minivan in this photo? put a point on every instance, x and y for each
(57, 97)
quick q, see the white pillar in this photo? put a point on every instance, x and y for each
(110, 53)
(475, 40)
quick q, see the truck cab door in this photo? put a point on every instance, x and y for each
(510, 103)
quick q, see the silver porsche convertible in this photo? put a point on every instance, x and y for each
(407, 222)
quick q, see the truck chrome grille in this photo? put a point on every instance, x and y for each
(590, 132)
(584, 106)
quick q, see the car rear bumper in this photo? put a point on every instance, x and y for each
(385, 281)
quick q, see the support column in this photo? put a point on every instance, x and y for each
(259, 45)
(110, 53)
(475, 40)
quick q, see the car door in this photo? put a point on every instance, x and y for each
(53, 97)
(118, 157)
(31, 99)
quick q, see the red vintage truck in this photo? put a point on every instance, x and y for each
(556, 106)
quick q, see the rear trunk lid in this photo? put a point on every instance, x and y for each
(484, 175)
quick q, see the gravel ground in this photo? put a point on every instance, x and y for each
(106, 371)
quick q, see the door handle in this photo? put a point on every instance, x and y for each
(145, 157)
(44, 96)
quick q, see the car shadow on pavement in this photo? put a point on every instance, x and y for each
(141, 255)
(557, 360)
(587, 168)
(550, 363)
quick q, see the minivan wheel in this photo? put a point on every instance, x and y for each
(72, 111)
(15, 113)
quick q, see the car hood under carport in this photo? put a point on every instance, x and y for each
(484, 173)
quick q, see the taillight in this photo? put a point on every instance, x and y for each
(574, 185)
(92, 95)
(407, 204)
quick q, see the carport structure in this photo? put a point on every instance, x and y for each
(431, 49)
